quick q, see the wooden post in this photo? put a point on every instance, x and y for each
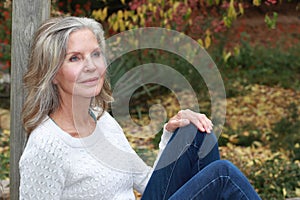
(26, 17)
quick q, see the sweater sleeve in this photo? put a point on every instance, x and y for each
(141, 172)
(41, 172)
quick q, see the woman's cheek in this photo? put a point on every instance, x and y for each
(74, 74)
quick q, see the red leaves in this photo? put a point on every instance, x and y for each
(82, 8)
(270, 2)
(5, 34)
(6, 15)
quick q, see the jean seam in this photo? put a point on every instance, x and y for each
(238, 187)
(171, 174)
(194, 144)
(228, 177)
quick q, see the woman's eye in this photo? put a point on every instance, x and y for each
(73, 58)
(96, 54)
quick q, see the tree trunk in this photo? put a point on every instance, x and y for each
(26, 17)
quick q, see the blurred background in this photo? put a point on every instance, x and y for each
(256, 47)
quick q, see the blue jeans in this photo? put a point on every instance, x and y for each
(190, 168)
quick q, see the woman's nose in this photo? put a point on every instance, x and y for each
(89, 65)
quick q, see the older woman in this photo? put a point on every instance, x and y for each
(76, 150)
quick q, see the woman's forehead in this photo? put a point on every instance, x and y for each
(82, 39)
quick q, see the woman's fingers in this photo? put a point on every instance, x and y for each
(185, 117)
(203, 123)
(175, 123)
(199, 120)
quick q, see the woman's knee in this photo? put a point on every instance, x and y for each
(222, 165)
(206, 143)
(186, 134)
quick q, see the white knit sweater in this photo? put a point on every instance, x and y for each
(55, 165)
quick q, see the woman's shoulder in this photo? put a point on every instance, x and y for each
(43, 133)
(44, 140)
(44, 157)
(108, 122)
(113, 131)
(106, 119)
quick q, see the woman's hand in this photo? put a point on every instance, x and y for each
(185, 117)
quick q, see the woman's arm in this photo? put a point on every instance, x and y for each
(41, 173)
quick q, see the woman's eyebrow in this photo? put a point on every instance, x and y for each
(78, 52)
(73, 52)
(97, 48)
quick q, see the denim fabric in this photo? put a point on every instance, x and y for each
(190, 168)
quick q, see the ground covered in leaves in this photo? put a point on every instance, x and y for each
(261, 133)
(257, 137)
(247, 138)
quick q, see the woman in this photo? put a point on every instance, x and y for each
(76, 150)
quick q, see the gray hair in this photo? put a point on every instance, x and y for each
(48, 51)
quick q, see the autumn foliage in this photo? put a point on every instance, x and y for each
(261, 133)
(5, 34)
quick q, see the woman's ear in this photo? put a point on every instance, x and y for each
(54, 81)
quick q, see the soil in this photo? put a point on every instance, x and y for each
(287, 31)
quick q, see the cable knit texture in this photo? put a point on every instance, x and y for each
(55, 165)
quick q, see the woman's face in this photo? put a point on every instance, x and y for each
(83, 71)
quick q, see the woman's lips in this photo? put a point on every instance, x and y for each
(90, 81)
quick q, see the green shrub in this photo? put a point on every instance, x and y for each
(147, 92)
(268, 65)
